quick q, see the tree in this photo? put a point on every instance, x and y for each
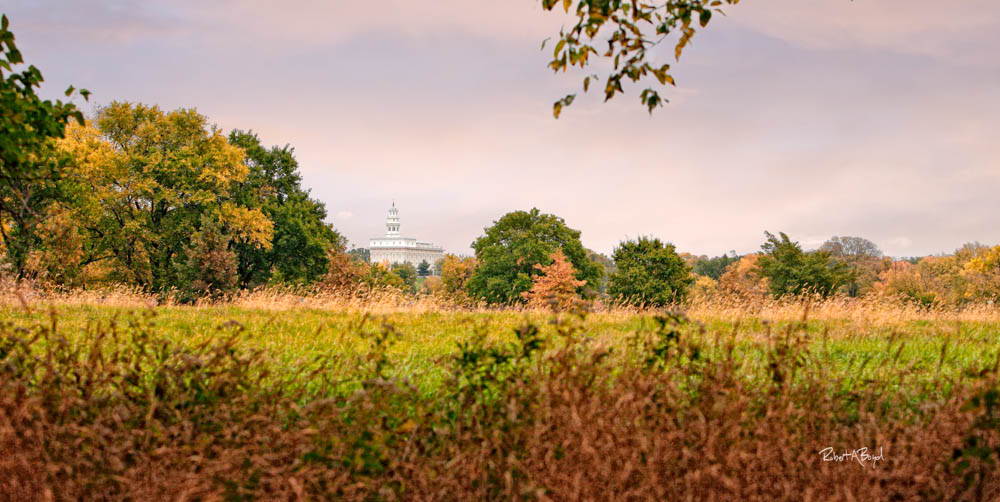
(212, 266)
(302, 239)
(343, 271)
(556, 285)
(863, 256)
(424, 269)
(743, 278)
(983, 273)
(455, 275)
(378, 276)
(649, 272)
(704, 288)
(361, 254)
(903, 280)
(509, 250)
(347, 274)
(630, 30)
(971, 273)
(855, 247)
(714, 267)
(148, 180)
(59, 250)
(30, 165)
(791, 271)
(985, 261)
(607, 269)
(407, 273)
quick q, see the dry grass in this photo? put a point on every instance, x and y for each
(874, 310)
(871, 310)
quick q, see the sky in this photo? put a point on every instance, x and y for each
(871, 118)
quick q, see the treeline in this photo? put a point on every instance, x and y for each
(167, 202)
(529, 257)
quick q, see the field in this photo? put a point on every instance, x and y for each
(278, 396)
(932, 348)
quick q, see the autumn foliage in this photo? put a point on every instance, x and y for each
(742, 278)
(556, 285)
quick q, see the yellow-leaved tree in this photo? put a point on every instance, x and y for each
(983, 272)
(153, 192)
(455, 275)
(742, 279)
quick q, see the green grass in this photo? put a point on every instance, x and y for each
(931, 353)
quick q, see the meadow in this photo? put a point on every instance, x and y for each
(851, 338)
(277, 395)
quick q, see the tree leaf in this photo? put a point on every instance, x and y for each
(705, 17)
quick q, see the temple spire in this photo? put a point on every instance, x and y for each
(392, 222)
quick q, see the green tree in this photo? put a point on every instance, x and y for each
(509, 250)
(377, 276)
(792, 271)
(30, 165)
(302, 239)
(607, 269)
(408, 273)
(424, 269)
(714, 267)
(649, 272)
(363, 255)
(620, 35)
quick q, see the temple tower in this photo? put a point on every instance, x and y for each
(392, 222)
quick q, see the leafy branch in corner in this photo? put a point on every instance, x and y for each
(631, 28)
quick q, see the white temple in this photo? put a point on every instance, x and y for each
(394, 248)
